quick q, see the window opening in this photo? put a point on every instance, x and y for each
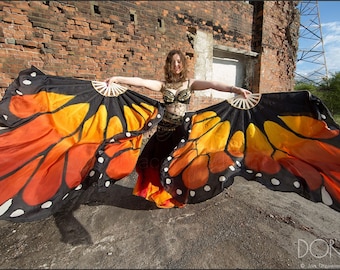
(96, 9)
(160, 23)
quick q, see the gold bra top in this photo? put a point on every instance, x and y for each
(183, 96)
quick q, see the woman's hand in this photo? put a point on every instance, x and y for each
(240, 91)
(110, 80)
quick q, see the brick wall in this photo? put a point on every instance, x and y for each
(279, 46)
(96, 39)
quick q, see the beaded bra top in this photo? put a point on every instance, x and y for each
(183, 96)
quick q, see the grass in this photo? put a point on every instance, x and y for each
(337, 118)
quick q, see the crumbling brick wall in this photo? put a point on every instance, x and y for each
(96, 39)
(279, 46)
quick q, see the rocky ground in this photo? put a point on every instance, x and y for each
(247, 226)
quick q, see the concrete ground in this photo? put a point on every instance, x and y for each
(247, 226)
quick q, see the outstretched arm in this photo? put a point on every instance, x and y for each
(136, 81)
(219, 86)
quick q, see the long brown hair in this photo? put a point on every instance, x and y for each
(167, 67)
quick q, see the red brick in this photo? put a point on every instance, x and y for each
(66, 38)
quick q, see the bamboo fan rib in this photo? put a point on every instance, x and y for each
(111, 90)
(245, 104)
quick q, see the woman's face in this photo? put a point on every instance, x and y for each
(176, 64)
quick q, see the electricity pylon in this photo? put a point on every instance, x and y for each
(311, 51)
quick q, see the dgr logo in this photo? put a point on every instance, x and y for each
(318, 248)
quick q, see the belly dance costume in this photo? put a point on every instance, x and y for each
(59, 135)
(166, 138)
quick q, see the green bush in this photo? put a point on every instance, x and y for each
(328, 92)
(305, 86)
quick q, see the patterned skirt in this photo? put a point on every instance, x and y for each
(157, 149)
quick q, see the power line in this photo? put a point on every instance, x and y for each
(311, 46)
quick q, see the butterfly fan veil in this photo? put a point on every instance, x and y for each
(286, 141)
(60, 134)
(56, 132)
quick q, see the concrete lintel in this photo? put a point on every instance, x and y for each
(235, 50)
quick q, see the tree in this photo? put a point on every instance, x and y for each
(328, 92)
(305, 86)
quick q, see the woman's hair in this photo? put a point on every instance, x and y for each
(167, 67)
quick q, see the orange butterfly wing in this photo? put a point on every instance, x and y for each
(286, 141)
(52, 131)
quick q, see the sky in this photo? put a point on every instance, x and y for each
(330, 33)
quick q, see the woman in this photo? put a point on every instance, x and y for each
(177, 90)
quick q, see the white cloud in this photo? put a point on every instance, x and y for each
(331, 40)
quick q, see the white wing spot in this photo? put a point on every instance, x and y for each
(207, 188)
(296, 184)
(326, 198)
(18, 92)
(100, 159)
(17, 213)
(5, 206)
(33, 74)
(192, 193)
(78, 187)
(232, 168)
(107, 183)
(46, 205)
(168, 181)
(222, 178)
(179, 192)
(27, 82)
(275, 181)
